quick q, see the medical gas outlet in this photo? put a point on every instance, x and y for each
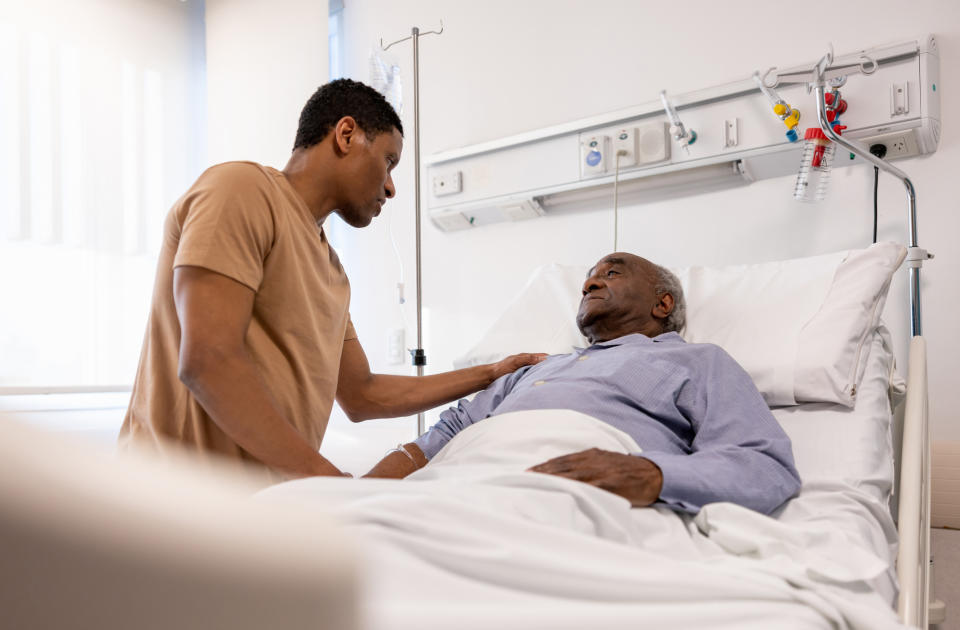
(684, 137)
(594, 155)
(789, 115)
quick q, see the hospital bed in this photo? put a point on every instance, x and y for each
(472, 541)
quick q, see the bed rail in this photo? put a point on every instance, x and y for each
(913, 557)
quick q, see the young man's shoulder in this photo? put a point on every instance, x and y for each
(238, 173)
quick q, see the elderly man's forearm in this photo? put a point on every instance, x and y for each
(397, 464)
(739, 475)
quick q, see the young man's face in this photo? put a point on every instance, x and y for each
(368, 180)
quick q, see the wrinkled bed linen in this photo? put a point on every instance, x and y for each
(474, 541)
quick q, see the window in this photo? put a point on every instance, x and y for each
(95, 123)
(335, 228)
(335, 30)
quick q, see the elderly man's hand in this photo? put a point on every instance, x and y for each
(514, 362)
(634, 478)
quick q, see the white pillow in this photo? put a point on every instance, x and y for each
(541, 318)
(798, 327)
(834, 443)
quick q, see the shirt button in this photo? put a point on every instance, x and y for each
(539, 382)
(583, 358)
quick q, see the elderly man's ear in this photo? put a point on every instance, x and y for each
(663, 307)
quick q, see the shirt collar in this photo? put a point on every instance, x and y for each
(638, 339)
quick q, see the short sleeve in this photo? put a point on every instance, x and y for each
(351, 332)
(226, 223)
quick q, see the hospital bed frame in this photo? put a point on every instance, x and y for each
(913, 520)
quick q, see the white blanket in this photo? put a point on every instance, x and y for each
(474, 541)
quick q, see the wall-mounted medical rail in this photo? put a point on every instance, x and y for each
(881, 56)
(538, 172)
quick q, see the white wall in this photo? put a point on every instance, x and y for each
(504, 67)
(264, 60)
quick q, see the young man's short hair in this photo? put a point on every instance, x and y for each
(344, 97)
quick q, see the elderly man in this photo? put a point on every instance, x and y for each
(706, 433)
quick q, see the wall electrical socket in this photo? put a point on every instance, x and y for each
(447, 183)
(900, 144)
(395, 343)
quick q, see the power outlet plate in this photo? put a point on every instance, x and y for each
(900, 144)
(447, 183)
(395, 343)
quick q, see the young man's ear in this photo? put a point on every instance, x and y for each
(343, 134)
(663, 307)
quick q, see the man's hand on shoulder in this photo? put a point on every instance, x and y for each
(514, 362)
(634, 478)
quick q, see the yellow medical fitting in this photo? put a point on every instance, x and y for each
(792, 119)
(789, 115)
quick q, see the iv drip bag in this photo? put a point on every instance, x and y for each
(385, 77)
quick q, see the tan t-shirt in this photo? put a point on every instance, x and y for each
(246, 222)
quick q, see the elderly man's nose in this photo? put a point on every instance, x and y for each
(592, 284)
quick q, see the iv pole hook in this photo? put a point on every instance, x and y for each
(416, 32)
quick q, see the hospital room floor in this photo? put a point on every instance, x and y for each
(946, 554)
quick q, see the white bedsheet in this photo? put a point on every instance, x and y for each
(473, 541)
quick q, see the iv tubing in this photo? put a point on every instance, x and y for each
(616, 208)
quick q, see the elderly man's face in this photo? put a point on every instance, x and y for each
(619, 298)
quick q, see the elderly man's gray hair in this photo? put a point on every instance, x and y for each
(668, 282)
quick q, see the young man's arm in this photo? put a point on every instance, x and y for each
(363, 395)
(214, 313)
(397, 464)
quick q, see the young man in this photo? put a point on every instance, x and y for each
(249, 338)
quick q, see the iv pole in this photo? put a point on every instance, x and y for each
(419, 358)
